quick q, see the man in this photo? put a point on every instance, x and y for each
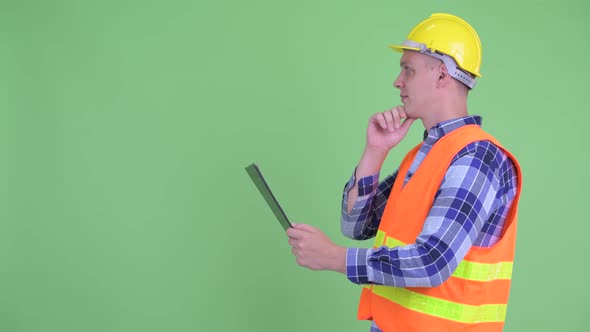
(444, 223)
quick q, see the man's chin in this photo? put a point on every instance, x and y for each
(408, 110)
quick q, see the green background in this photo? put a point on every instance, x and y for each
(125, 127)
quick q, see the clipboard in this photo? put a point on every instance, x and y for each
(256, 176)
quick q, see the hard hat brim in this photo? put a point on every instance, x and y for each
(401, 48)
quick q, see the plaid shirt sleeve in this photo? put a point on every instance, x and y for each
(465, 201)
(363, 220)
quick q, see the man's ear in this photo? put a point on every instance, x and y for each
(443, 75)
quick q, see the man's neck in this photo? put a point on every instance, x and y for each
(445, 111)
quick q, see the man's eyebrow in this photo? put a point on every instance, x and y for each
(403, 63)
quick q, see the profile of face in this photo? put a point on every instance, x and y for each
(417, 82)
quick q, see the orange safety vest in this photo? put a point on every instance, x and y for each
(475, 297)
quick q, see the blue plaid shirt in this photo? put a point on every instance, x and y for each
(469, 209)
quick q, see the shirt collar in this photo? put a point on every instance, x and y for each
(445, 127)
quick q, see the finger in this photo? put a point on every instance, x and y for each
(389, 119)
(378, 117)
(396, 117)
(402, 112)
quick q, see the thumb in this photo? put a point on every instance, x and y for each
(407, 124)
(305, 227)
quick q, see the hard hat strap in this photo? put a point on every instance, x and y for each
(454, 70)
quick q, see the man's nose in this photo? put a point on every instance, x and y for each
(397, 83)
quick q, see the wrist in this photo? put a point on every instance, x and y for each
(339, 260)
(371, 161)
(375, 154)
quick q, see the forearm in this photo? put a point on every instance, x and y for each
(370, 163)
(362, 221)
(412, 265)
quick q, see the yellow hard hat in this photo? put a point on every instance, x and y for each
(446, 34)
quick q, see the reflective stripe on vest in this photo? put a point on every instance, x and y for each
(433, 306)
(466, 269)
